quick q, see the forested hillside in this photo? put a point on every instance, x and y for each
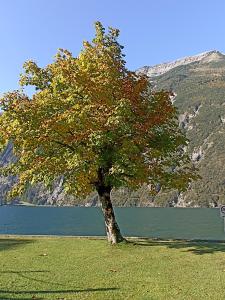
(199, 88)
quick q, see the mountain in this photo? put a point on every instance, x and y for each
(160, 69)
(198, 85)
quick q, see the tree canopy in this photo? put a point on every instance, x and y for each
(88, 112)
(92, 120)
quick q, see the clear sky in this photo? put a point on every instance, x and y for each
(151, 31)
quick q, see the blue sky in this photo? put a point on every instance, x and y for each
(151, 31)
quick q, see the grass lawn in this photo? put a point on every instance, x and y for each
(73, 268)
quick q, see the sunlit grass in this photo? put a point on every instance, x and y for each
(72, 268)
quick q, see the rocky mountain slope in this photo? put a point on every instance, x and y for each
(198, 83)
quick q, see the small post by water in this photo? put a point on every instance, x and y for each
(222, 214)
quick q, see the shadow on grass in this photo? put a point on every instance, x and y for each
(10, 243)
(30, 298)
(198, 247)
(34, 294)
(28, 275)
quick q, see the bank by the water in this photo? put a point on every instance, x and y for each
(165, 223)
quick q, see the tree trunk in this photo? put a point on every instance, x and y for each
(112, 228)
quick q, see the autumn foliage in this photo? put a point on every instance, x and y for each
(93, 120)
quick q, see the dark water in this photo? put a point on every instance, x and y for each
(182, 223)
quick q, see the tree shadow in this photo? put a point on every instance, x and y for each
(34, 294)
(30, 298)
(28, 275)
(198, 247)
(11, 243)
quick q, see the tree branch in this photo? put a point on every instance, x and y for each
(64, 145)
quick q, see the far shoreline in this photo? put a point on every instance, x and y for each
(88, 237)
(27, 204)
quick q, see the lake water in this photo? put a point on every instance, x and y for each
(177, 223)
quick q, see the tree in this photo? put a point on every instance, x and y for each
(95, 123)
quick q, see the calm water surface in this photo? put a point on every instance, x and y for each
(186, 223)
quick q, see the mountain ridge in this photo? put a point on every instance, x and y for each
(162, 68)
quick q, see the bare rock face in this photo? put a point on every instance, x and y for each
(6, 182)
(40, 195)
(7, 155)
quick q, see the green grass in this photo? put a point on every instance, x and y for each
(73, 268)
